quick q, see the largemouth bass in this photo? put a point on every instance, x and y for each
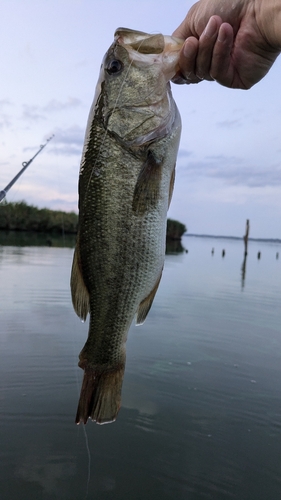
(125, 186)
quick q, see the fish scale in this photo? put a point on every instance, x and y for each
(125, 185)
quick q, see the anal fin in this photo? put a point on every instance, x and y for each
(146, 303)
(79, 292)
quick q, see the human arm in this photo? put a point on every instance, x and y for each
(234, 42)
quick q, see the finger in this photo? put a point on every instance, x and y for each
(179, 79)
(206, 45)
(222, 68)
(187, 61)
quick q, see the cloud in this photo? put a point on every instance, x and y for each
(36, 113)
(64, 205)
(250, 175)
(4, 118)
(5, 121)
(82, 63)
(55, 105)
(184, 153)
(4, 102)
(230, 123)
(32, 113)
(68, 141)
(234, 171)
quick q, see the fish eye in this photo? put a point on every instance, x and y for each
(114, 66)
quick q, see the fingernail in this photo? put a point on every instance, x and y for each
(211, 28)
(222, 35)
(179, 80)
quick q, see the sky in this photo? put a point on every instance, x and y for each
(229, 161)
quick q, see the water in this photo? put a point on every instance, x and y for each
(201, 401)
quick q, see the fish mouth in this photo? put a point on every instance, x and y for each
(144, 48)
(143, 43)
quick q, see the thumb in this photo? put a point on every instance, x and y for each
(187, 28)
(183, 30)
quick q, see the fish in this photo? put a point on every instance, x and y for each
(126, 181)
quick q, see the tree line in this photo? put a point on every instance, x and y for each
(20, 216)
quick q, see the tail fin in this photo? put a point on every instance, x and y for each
(100, 396)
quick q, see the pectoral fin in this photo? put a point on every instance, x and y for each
(146, 304)
(79, 292)
(172, 182)
(147, 188)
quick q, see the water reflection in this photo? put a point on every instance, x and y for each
(243, 270)
(174, 246)
(200, 415)
(45, 469)
(28, 238)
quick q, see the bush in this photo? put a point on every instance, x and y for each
(175, 229)
(22, 217)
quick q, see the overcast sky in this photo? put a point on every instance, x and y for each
(229, 163)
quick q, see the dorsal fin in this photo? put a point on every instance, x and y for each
(146, 304)
(147, 191)
(79, 292)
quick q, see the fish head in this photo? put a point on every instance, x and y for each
(133, 96)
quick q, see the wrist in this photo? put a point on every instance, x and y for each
(268, 15)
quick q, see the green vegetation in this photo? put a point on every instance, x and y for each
(22, 217)
(175, 229)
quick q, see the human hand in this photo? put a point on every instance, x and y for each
(228, 44)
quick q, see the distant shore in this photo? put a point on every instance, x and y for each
(272, 240)
(20, 216)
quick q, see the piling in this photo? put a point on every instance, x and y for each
(245, 238)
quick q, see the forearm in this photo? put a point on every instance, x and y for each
(268, 14)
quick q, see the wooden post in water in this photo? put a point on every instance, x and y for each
(245, 238)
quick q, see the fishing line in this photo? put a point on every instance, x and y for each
(84, 429)
(87, 187)
(89, 461)
(106, 131)
(59, 185)
(114, 108)
(14, 195)
(88, 184)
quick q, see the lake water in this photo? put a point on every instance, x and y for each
(201, 401)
